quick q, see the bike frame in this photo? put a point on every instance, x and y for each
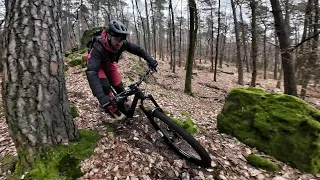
(135, 90)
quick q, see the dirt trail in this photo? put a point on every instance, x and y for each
(132, 151)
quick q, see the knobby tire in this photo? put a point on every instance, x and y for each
(204, 161)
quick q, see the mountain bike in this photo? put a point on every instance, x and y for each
(174, 135)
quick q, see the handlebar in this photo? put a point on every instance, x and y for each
(137, 83)
(148, 72)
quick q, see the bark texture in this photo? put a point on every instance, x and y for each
(192, 43)
(283, 35)
(33, 85)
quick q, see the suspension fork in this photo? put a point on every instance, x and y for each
(149, 112)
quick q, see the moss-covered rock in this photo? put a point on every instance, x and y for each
(62, 162)
(262, 163)
(77, 58)
(88, 34)
(280, 125)
(75, 62)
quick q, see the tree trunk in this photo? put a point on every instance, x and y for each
(280, 78)
(170, 41)
(135, 23)
(143, 27)
(109, 9)
(313, 57)
(200, 48)
(239, 61)
(148, 26)
(222, 55)
(276, 58)
(217, 45)
(299, 61)
(254, 46)
(211, 38)
(153, 30)
(282, 32)
(173, 38)
(34, 93)
(192, 41)
(265, 59)
(245, 57)
(180, 40)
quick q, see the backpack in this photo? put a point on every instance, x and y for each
(93, 39)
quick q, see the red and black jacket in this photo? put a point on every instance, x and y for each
(101, 53)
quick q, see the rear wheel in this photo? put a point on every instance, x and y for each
(180, 140)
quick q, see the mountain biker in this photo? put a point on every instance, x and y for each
(102, 71)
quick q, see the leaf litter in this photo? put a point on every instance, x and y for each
(133, 150)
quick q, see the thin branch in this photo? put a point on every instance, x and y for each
(305, 40)
(274, 45)
(297, 45)
(77, 17)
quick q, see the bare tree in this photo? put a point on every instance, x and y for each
(313, 56)
(287, 64)
(239, 61)
(254, 46)
(192, 41)
(148, 26)
(243, 35)
(135, 23)
(143, 26)
(276, 58)
(217, 44)
(173, 45)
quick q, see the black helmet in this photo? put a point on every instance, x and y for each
(117, 29)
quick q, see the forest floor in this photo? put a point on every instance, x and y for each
(131, 151)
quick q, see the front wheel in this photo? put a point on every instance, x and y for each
(180, 140)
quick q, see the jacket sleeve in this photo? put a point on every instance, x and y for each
(137, 50)
(93, 67)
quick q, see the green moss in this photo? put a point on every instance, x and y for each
(109, 127)
(75, 62)
(262, 163)
(2, 113)
(163, 95)
(77, 58)
(66, 53)
(88, 34)
(188, 125)
(8, 163)
(62, 162)
(275, 124)
(74, 110)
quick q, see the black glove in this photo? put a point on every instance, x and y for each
(153, 64)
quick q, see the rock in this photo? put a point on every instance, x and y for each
(185, 176)
(260, 177)
(275, 124)
(279, 178)
(95, 170)
(178, 163)
(146, 177)
(201, 175)
(87, 36)
(222, 177)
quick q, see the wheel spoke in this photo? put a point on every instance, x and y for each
(177, 141)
